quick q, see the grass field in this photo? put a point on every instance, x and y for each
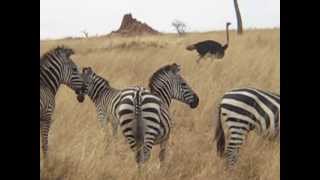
(80, 150)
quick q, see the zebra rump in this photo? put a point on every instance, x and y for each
(244, 110)
(219, 136)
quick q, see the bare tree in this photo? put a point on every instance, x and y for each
(179, 26)
(239, 20)
(86, 34)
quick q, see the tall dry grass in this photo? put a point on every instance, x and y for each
(80, 150)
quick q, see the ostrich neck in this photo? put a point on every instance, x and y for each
(227, 30)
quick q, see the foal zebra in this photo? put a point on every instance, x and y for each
(105, 97)
(244, 110)
(112, 101)
(138, 111)
(56, 67)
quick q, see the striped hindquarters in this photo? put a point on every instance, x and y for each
(139, 116)
(244, 110)
(250, 109)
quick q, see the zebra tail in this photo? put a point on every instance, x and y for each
(219, 135)
(139, 121)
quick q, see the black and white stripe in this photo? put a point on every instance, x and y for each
(140, 121)
(105, 97)
(127, 108)
(167, 84)
(139, 117)
(56, 67)
(244, 110)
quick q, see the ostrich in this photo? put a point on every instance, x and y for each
(211, 47)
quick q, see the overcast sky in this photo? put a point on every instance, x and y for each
(61, 18)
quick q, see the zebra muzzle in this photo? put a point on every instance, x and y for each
(195, 102)
(80, 98)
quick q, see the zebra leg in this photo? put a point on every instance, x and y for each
(44, 131)
(278, 136)
(140, 158)
(162, 153)
(115, 123)
(236, 137)
(103, 119)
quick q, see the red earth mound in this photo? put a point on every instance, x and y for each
(132, 27)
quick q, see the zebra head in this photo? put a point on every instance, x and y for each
(88, 76)
(70, 74)
(168, 83)
(94, 85)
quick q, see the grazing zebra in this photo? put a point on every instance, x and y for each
(210, 47)
(244, 110)
(138, 111)
(56, 67)
(105, 97)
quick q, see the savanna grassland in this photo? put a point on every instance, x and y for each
(79, 149)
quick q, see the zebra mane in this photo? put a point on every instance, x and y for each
(57, 50)
(94, 75)
(165, 69)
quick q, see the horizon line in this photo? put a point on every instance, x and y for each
(163, 32)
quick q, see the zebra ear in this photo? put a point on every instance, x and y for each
(86, 70)
(175, 67)
(67, 51)
(70, 52)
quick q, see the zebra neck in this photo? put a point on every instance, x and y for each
(166, 98)
(100, 96)
(161, 87)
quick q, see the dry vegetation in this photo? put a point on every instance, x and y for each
(80, 150)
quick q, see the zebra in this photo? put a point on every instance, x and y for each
(241, 111)
(144, 115)
(168, 84)
(105, 97)
(56, 67)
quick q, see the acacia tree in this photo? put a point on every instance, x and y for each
(179, 26)
(239, 20)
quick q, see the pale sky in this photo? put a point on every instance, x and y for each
(61, 18)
